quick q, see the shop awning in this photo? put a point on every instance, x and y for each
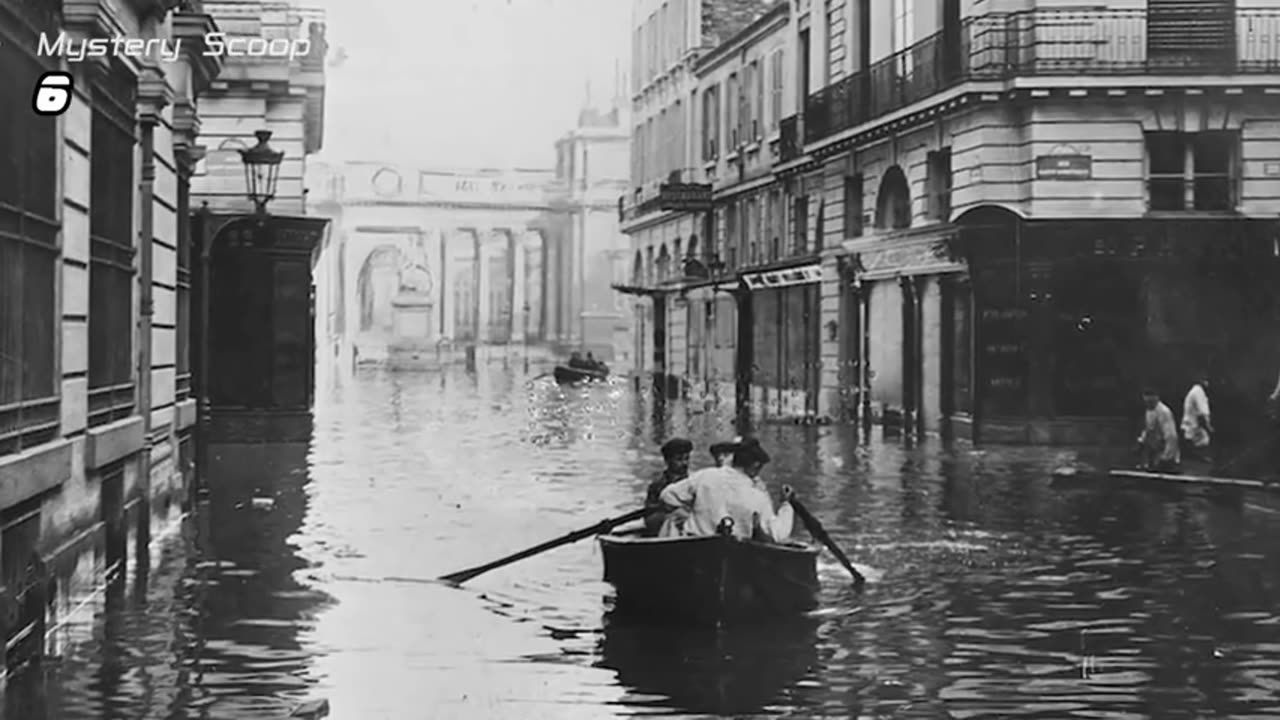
(635, 290)
(784, 277)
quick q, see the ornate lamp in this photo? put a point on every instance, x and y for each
(261, 171)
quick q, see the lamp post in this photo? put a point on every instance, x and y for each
(261, 171)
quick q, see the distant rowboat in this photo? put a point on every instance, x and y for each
(566, 375)
(713, 581)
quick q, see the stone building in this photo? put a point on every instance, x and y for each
(95, 406)
(586, 252)
(1034, 210)
(255, 336)
(668, 207)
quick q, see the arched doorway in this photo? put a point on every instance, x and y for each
(376, 286)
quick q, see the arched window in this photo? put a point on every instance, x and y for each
(692, 250)
(664, 264)
(637, 270)
(893, 201)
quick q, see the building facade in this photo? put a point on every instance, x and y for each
(95, 406)
(586, 251)
(668, 212)
(255, 336)
(1042, 209)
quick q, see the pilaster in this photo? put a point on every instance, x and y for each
(154, 95)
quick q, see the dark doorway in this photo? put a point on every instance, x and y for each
(261, 321)
(660, 345)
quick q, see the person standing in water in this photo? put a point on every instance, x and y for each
(1159, 439)
(1197, 427)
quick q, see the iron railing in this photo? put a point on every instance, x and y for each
(1049, 42)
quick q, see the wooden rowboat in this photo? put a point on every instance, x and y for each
(714, 580)
(566, 375)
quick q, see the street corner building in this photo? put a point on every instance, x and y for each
(1020, 214)
(97, 406)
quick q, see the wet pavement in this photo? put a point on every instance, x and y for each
(994, 591)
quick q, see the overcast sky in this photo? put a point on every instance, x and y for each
(480, 83)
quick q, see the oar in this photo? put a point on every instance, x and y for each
(601, 527)
(820, 534)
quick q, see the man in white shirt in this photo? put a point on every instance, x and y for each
(1197, 427)
(711, 495)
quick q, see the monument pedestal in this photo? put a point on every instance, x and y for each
(413, 345)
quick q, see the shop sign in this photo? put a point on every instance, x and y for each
(784, 278)
(1064, 167)
(912, 258)
(687, 197)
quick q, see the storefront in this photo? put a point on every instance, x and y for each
(783, 360)
(1072, 319)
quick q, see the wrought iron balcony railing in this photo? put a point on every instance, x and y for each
(1051, 42)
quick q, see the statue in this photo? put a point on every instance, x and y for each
(415, 276)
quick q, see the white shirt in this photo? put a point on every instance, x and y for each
(1195, 408)
(712, 494)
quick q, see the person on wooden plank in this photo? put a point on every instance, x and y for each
(675, 454)
(1159, 439)
(722, 452)
(731, 495)
(1197, 426)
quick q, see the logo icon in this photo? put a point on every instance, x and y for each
(53, 94)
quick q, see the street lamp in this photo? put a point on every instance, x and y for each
(261, 171)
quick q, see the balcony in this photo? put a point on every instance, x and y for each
(1076, 43)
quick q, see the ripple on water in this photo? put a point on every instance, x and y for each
(990, 593)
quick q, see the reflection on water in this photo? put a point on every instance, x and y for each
(730, 672)
(994, 592)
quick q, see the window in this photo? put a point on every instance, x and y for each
(731, 238)
(853, 210)
(800, 224)
(1192, 171)
(775, 90)
(29, 265)
(903, 36)
(903, 24)
(939, 163)
(732, 111)
(835, 40)
(710, 124)
(757, 101)
(111, 247)
(637, 156)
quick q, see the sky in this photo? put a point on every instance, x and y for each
(469, 83)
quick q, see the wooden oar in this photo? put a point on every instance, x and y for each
(820, 534)
(599, 528)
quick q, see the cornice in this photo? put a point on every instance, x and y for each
(154, 94)
(191, 28)
(92, 18)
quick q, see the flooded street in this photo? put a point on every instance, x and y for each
(993, 592)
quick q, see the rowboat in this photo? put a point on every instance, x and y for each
(566, 375)
(713, 580)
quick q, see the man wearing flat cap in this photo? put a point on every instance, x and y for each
(675, 453)
(722, 452)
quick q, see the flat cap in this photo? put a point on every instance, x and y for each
(676, 446)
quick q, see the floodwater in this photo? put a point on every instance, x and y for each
(993, 592)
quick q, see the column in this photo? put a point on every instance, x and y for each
(482, 284)
(519, 292)
(444, 283)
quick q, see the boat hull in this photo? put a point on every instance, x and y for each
(709, 581)
(567, 375)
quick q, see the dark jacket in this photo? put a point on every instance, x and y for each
(658, 512)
